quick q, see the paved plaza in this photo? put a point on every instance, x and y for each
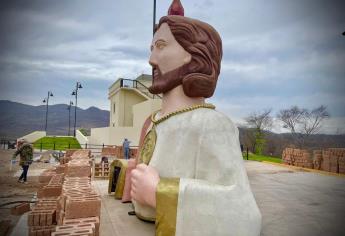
(293, 202)
(296, 202)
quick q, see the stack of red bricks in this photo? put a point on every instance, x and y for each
(340, 153)
(46, 176)
(101, 170)
(336, 160)
(79, 206)
(330, 159)
(317, 159)
(297, 157)
(133, 152)
(42, 218)
(326, 160)
(67, 200)
(67, 157)
(81, 226)
(53, 188)
(79, 164)
(78, 201)
(109, 151)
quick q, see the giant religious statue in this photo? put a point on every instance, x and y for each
(190, 177)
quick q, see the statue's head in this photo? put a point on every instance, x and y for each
(188, 52)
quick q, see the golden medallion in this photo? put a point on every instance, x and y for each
(148, 146)
(150, 139)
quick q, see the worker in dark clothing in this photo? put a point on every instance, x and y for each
(125, 147)
(25, 151)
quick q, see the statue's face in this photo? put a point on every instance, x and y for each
(166, 53)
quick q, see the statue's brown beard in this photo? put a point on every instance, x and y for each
(162, 83)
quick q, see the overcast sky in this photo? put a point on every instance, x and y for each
(277, 53)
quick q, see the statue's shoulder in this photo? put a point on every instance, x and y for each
(213, 120)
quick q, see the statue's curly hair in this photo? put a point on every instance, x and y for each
(203, 42)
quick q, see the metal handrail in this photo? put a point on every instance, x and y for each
(135, 85)
(66, 145)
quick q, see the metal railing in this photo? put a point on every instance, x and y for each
(128, 83)
(59, 146)
(8, 143)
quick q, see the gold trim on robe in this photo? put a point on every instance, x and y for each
(166, 206)
(111, 174)
(120, 185)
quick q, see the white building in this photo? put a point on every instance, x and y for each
(130, 104)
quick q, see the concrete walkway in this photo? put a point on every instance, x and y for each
(292, 202)
(115, 220)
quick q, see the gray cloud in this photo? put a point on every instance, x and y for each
(276, 53)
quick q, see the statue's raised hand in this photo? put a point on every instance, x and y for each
(144, 183)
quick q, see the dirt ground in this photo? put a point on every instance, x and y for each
(11, 190)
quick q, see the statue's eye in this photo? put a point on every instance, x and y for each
(160, 44)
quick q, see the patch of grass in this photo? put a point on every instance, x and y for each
(254, 157)
(61, 143)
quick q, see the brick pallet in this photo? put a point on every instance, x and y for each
(67, 203)
(297, 157)
(330, 159)
(101, 170)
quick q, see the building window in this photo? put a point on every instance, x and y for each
(114, 108)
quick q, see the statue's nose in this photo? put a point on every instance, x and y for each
(152, 60)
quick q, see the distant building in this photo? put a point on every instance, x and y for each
(130, 104)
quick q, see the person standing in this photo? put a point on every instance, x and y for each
(125, 147)
(25, 151)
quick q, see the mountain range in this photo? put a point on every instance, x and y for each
(17, 119)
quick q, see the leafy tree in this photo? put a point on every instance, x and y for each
(260, 121)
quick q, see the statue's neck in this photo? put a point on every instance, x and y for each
(176, 99)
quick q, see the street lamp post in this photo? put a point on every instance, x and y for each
(75, 93)
(46, 100)
(154, 16)
(69, 116)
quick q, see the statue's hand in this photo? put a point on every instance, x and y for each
(144, 183)
(131, 163)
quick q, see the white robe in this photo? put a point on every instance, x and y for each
(202, 148)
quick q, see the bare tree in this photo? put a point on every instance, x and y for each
(291, 117)
(312, 121)
(302, 122)
(260, 121)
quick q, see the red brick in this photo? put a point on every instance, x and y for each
(60, 169)
(46, 175)
(20, 209)
(60, 217)
(36, 221)
(39, 218)
(43, 219)
(43, 230)
(75, 232)
(78, 170)
(82, 207)
(49, 191)
(94, 220)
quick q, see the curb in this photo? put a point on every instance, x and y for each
(307, 169)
